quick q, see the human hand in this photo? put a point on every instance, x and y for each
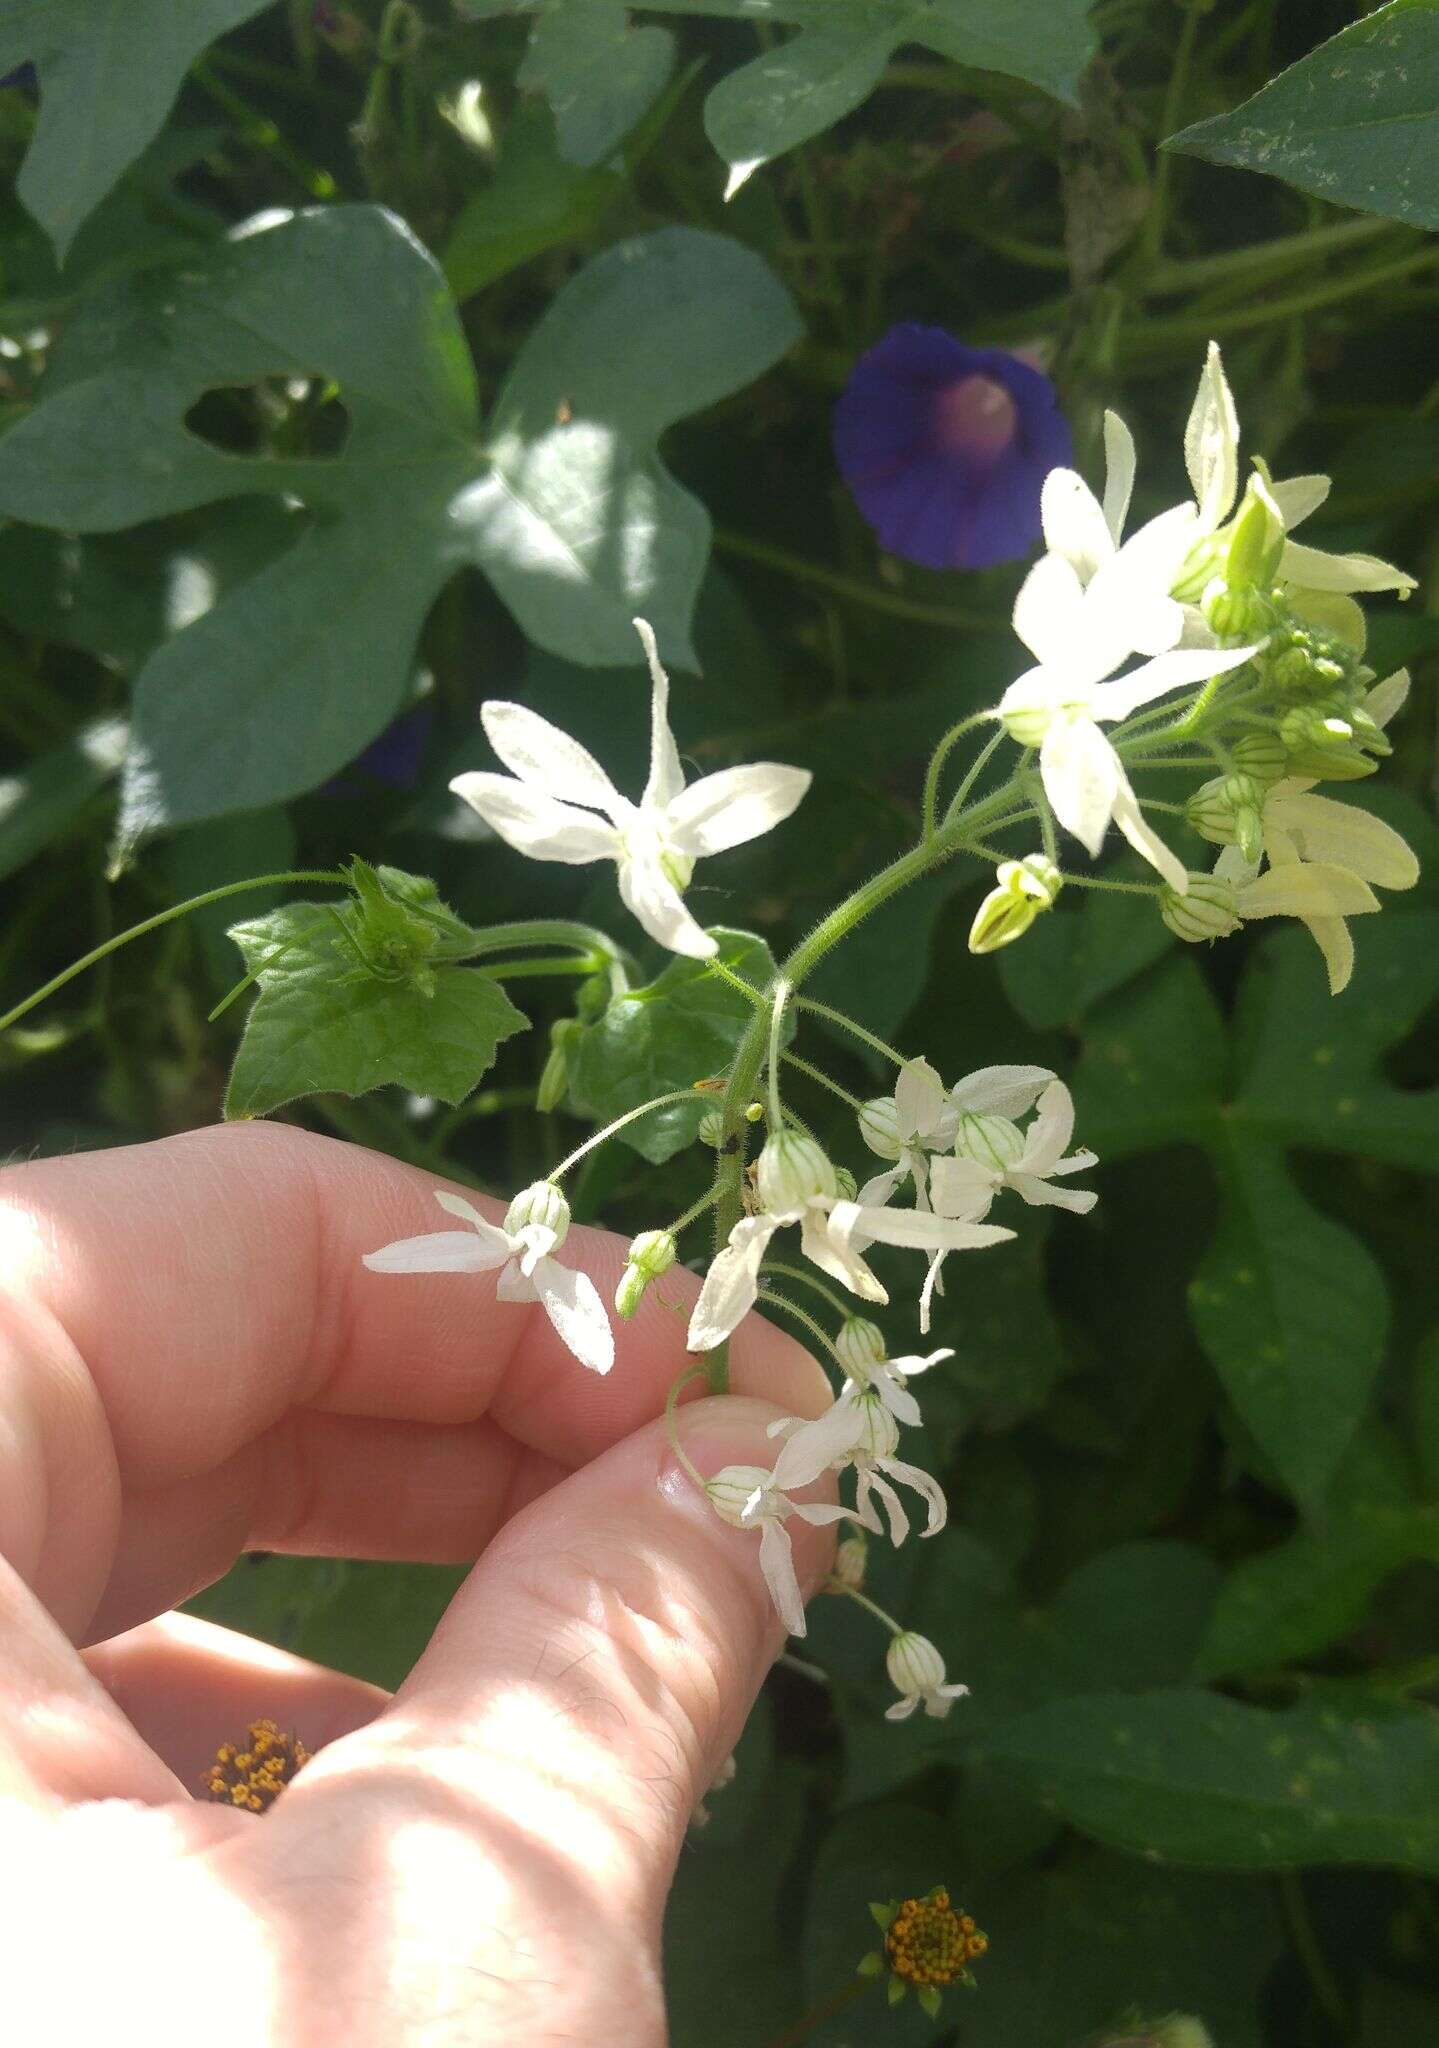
(192, 1361)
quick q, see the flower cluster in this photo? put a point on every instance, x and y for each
(927, 1947)
(1212, 598)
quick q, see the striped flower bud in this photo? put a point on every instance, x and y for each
(1208, 910)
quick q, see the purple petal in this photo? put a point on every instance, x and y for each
(945, 448)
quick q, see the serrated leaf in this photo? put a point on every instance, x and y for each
(324, 1022)
(1191, 1777)
(568, 508)
(680, 1028)
(109, 73)
(1355, 122)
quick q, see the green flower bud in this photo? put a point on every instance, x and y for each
(793, 1170)
(540, 1203)
(851, 1561)
(1237, 614)
(879, 1127)
(711, 1128)
(848, 1185)
(994, 1141)
(731, 1491)
(1322, 741)
(1256, 539)
(652, 1253)
(1024, 890)
(1210, 910)
(860, 1346)
(564, 1037)
(1226, 811)
(1262, 756)
(593, 998)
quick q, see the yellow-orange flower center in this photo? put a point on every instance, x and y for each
(929, 1943)
(252, 1775)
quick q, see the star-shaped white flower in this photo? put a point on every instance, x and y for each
(915, 1120)
(797, 1184)
(1080, 634)
(858, 1430)
(1211, 454)
(916, 1670)
(534, 1229)
(860, 1348)
(558, 804)
(992, 1152)
(747, 1497)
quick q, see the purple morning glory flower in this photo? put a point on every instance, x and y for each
(945, 448)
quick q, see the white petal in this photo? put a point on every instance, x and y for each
(1387, 699)
(1119, 467)
(926, 1486)
(1082, 778)
(894, 1506)
(1001, 1091)
(548, 759)
(776, 1561)
(932, 1284)
(1331, 936)
(962, 1188)
(1311, 569)
(875, 1193)
(648, 892)
(1211, 444)
(515, 1284)
(1074, 524)
(572, 1303)
(1298, 497)
(1128, 604)
(897, 1398)
(731, 1284)
(534, 824)
(818, 1445)
(926, 1233)
(826, 1244)
(724, 810)
(1147, 842)
(918, 1099)
(442, 1251)
(1167, 672)
(499, 1241)
(902, 1709)
(821, 1513)
(1346, 837)
(912, 1364)
(1047, 1139)
(1042, 1194)
(1048, 609)
(666, 777)
(1306, 889)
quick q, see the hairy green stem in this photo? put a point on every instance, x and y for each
(817, 1074)
(870, 1038)
(801, 1315)
(598, 1138)
(152, 924)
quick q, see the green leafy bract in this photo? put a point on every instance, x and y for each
(1355, 122)
(565, 504)
(109, 71)
(357, 995)
(1194, 1778)
(832, 64)
(1290, 1306)
(680, 1028)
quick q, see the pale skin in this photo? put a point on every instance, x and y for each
(193, 1361)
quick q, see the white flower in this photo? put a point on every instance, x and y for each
(916, 1670)
(916, 1119)
(534, 1227)
(547, 808)
(797, 1184)
(858, 1430)
(991, 1152)
(860, 1349)
(1080, 634)
(1076, 525)
(746, 1497)
(1211, 454)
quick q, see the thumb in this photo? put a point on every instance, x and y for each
(544, 1757)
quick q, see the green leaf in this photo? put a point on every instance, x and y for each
(888, 1851)
(109, 72)
(1194, 1778)
(1290, 1306)
(1308, 1592)
(370, 1620)
(1094, 943)
(1397, 2015)
(41, 802)
(1126, 1935)
(325, 1021)
(534, 201)
(1355, 122)
(598, 73)
(680, 1028)
(804, 85)
(570, 510)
